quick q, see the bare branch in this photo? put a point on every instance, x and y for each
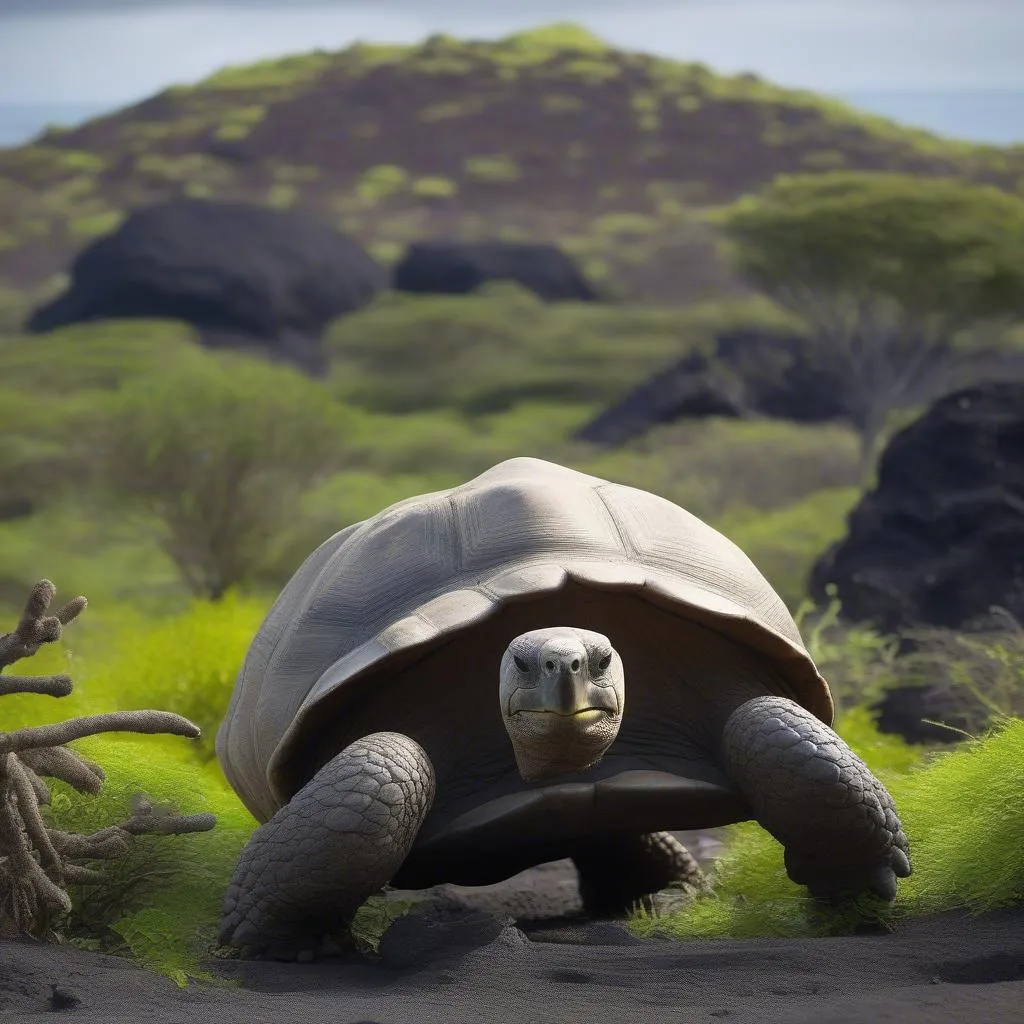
(66, 765)
(36, 860)
(112, 721)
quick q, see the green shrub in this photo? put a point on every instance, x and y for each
(965, 815)
(100, 356)
(269, 74)
(485, 352)
(222, 472)
(987, 665)
(731, 471)
(561, 103)
(381, 181)
(434, 188)
(497, 169)
(92, 225)
(160, 905)
(784, 543)
(240, 122)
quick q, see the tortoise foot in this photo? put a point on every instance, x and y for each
(307, 870)
(815, 796)
(831, 883)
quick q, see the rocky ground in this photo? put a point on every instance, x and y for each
(461, 957)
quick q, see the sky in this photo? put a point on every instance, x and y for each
(113, 52)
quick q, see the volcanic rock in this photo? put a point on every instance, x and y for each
(240, 273)
(940, 539)
(748, 373)
(457, 268)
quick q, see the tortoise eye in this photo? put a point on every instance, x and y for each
(604, 663)
(520, 664)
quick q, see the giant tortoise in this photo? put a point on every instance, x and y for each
(370, 724)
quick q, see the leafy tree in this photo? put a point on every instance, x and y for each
(218, 454)
(888, 271)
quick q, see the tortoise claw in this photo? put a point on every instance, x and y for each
(833, 884)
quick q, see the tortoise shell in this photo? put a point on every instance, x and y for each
(424, 570)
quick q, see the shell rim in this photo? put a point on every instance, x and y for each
(661, 588)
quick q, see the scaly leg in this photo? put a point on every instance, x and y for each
(836, 821)
(338, 841)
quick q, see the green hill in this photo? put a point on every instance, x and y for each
(543, 134)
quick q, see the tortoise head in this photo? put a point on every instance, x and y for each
(562, 694)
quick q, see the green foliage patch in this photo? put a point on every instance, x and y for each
(488, 351)
(961, 810)
(498, 169)
(434, 187)
(269, 74)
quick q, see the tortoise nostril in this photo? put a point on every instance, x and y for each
(575, 664)
(549, 665)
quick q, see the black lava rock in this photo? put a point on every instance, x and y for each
(238, 272)
(457, 268)
(940, 539)
(749, 373)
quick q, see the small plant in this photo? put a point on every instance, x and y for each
(434, 188)
(36, 860)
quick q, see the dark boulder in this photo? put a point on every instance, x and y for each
(910, 711)
(238, 272)
(748, 373)
(457, 268)
(940, 539)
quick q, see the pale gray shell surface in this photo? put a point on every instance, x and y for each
(432, 565)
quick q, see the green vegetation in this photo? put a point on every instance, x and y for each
(241, 121)
(95, 224)
(561, 103)
(380, 182)
(960, 809)
(556, 38)
(492, 168)
(888, 271)
(433, 187)
(191, 169)
(269, 74)
(221, 474)
(453, 108)
(281, 196)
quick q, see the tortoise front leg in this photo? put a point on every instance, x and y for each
(339, 840)
(836, 821)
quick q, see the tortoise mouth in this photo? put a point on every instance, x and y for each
(586, 714)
